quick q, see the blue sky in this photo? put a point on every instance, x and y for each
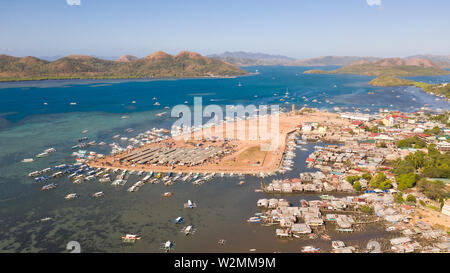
(296, 28)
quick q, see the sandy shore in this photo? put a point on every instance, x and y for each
(260, 151)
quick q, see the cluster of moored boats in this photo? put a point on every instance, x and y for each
(293, 142)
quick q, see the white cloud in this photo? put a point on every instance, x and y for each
(373, 2)
(78, 2)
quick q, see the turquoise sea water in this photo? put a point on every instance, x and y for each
(27, 127)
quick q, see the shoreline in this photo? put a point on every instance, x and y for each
(241, 159)
(123, 78)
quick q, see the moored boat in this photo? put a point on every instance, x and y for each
(98, 194)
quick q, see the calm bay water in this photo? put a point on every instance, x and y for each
(27, 127)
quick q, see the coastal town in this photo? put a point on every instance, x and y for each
(389, 168)
(363, 159)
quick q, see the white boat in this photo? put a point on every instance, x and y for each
(167, 194)
(41, 155)
(27, 160)
(130, 238)
(167, 246)
(254, 219)
(310, 249)
(187, 230)
(178, 220)
(190, 205)
(34, 174)
(98, 194)
(70, 196)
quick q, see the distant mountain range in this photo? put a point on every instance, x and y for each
(248, 59)
(332, 60)
(156, 65)
(440, 60)
(388, 67)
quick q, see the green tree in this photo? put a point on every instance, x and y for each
(398, 198)
(352, 179)
(367, 176)
(385, 185)
(405, 181)
(411, 198)
(433, 189)
(357, 186)
(377, 180)
(366, 209)
(435, 131)
(412, 142)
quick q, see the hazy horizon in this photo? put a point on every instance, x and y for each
(300, 29)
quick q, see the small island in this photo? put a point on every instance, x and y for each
(387, 71)
(388, 67)
(436, 89)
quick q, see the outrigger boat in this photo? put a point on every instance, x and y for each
(130, 238)
(190, 205)
(98, 194)
(168, 246)
(188, 230)
(48, 187)
(178, 220)
(167, 194)
(254, 219)
(310, 249)
(41, 155)
(71, 196)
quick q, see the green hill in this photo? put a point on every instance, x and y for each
(156, 65)
(438, 89)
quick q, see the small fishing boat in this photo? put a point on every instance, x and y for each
(167, 194)
(130, 238)
(71, 196)
(188, 230)
(27, 160)
(34, 174)
(48, 187)
(178, 220)
(98, 194)
(168, 246)
(254, 219)
(41, 155)
(241, 183)
(310, 249)
(221, 242)
(190, 205)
